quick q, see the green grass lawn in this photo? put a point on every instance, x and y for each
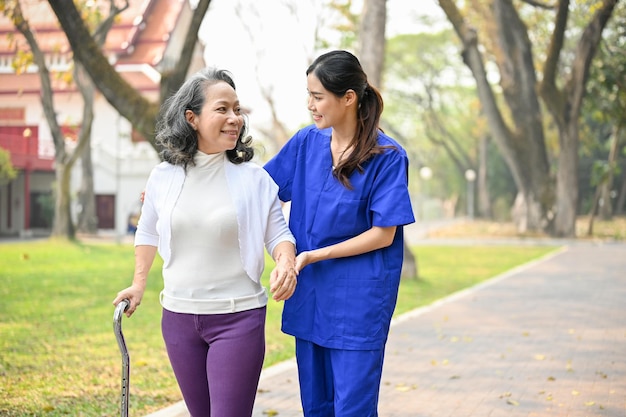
(58, 353)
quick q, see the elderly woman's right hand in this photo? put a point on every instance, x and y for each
(133, 294)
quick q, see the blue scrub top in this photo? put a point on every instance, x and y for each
(343, 303)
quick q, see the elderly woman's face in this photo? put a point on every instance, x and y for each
(220, 121)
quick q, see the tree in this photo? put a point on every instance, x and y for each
(519, 131)
(130, 103)
(564, 103)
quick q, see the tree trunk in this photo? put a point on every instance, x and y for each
(371, 41)
(594, 209)
(482, 191)
(62, 225)
(87, 218)
(621, 198)
(567, 182)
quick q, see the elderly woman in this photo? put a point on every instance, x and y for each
(209, 212)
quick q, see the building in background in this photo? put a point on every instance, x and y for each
(145, 40)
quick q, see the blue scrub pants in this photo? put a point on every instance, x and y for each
(338, 383)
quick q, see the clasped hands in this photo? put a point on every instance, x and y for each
(284, 277)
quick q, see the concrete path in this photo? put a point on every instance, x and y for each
(545, 339)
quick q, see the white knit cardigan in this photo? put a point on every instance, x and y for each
(255, 195)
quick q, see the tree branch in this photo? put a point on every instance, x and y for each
(548, 89)
(21, 24)
(585, 51)
(121, 95)
(173, 78)
(539, 5)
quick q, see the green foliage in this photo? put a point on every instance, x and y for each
(7, 171)
(59, 353)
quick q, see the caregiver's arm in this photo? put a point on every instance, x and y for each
(372, 239)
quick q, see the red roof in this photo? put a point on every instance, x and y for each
(17, 85)
(139, 35)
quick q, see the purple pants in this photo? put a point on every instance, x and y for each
(217, 359)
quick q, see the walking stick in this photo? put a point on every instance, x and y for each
(117, 327)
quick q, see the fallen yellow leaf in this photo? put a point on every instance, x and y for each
(590, 403)
(540, 357)
(403, 387)
(271, 412)
(512, 402)
(574, 392)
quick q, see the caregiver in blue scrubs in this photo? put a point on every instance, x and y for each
(347, 184)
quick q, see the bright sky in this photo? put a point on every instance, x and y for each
(278, 56)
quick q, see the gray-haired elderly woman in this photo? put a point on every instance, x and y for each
(210, 212)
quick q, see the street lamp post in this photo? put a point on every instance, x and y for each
(470, 176)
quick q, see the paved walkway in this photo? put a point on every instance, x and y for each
(545, 339)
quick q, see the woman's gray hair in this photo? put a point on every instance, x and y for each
(175, 136)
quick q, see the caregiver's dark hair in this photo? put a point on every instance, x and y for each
(340, 71)
(177, 138)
